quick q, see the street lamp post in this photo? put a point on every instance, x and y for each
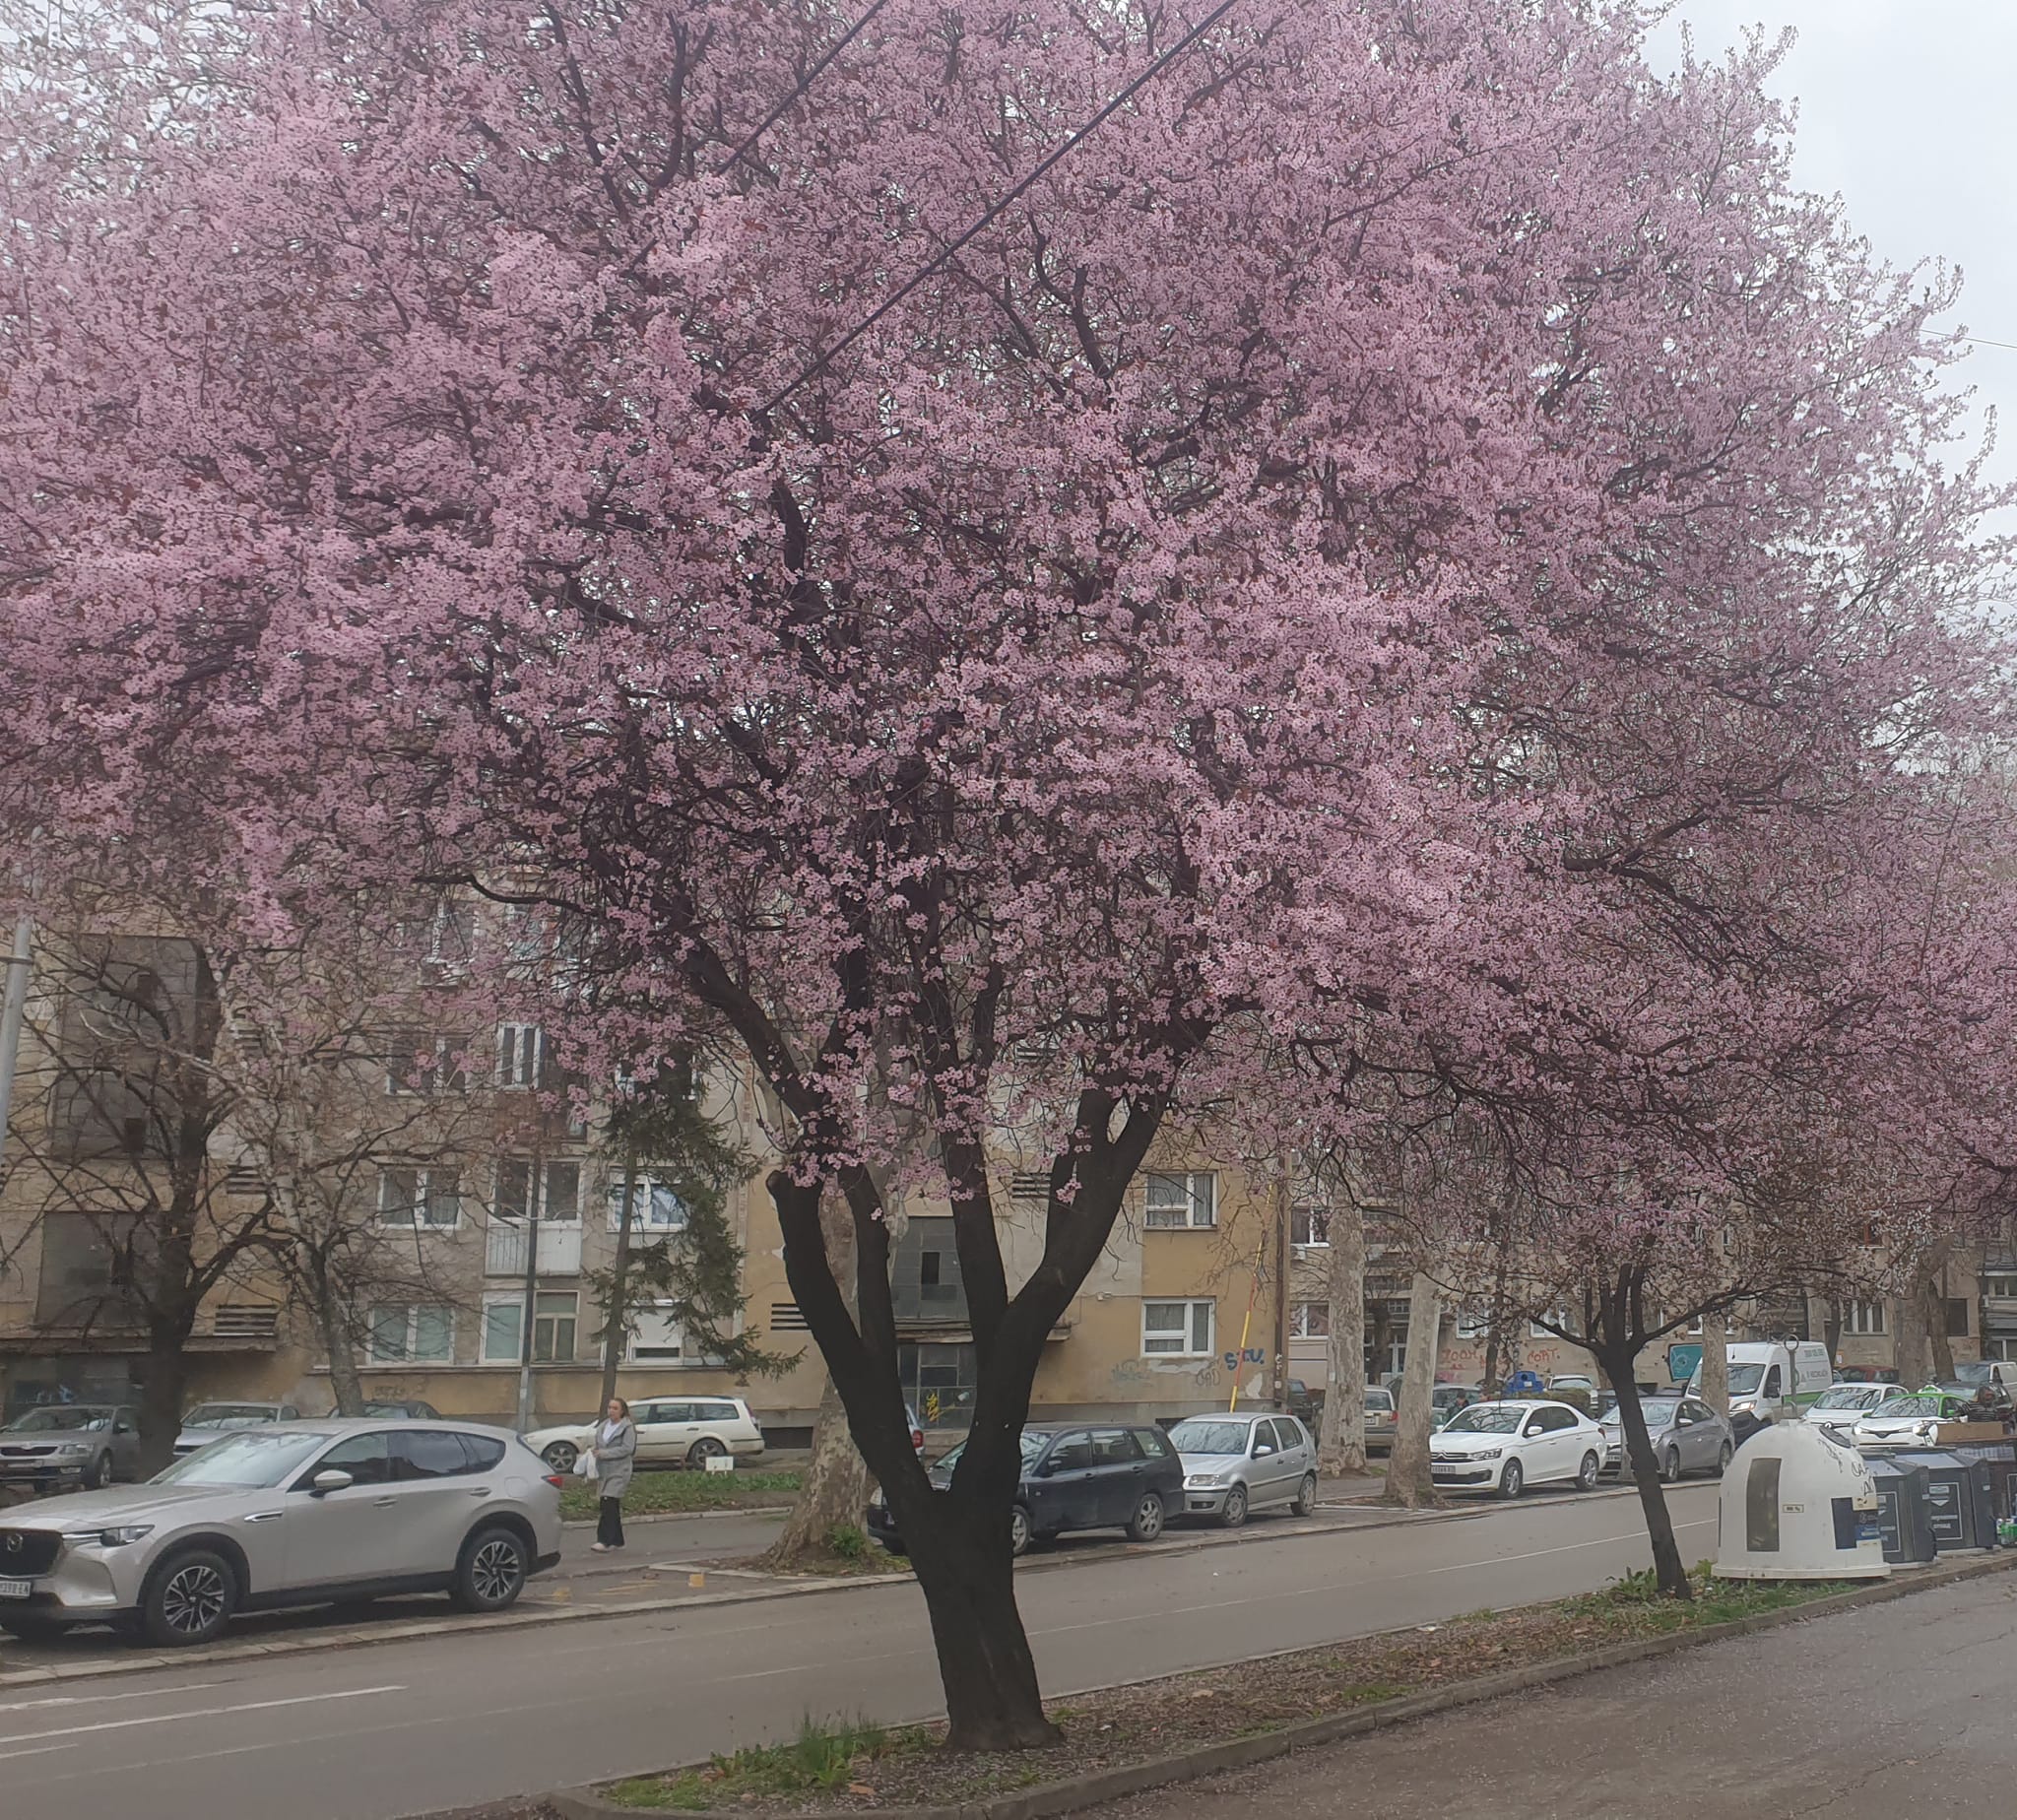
(13, 1009)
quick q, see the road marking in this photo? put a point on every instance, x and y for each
(169, 1719)
(38, 1750)
(70, 1700)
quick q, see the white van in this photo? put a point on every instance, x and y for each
(1773, 1380)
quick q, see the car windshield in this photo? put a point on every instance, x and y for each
(251, 1460)
(1847, 1397)
(72, 1416)
(1745, 1379)
(1974, 1372)
(1896, 1405)
(227, 1416)
(1486, 1419)
(1201, 1437)
(1657, 1410)
(1033, 1444)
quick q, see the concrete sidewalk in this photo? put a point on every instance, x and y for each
(1898, 1709)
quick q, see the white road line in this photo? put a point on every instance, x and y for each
(169, 1719)
(71, 1699)
(38, 1750)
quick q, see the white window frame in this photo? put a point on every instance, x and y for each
(1314, 1219)
(1472, 1325)
(515, 1301)
(539, 1188)
(410, 1354)
(645, 1216)
(1535, 1330)
(1299, 1321)
(635, 1348)
(425, 1187)
(519, 1071)
(1867, 1319)
(1199, 1208)
(1185, 1332)
(441, 1075)
(2000, 1285)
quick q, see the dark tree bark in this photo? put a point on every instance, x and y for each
(1668, 1566)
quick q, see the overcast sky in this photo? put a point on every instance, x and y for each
(1907, 113)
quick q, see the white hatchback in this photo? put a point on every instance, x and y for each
(672, 1431)
(1505, 1446)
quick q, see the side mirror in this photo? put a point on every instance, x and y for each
(324, 1483)
(1045, 1468)
(1263, 1450)
(1531, 1428)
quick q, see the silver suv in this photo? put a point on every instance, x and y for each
(287, 1514)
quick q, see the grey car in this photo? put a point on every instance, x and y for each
(287, 1514)
(1687, 1436)
(204, 1423)
(1236, 1463)
(65, 1446)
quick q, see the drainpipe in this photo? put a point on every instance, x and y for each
(13, 1009)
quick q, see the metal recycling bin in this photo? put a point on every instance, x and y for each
(1963, 1511)
(1904, 1509)
(2000, 1457)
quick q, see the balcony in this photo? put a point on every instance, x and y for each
(504, 1249)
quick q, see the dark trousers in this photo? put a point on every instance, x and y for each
(609, 1523)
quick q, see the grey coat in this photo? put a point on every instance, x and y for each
(614, 1459)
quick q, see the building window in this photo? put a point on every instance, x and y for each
(427, 1199)
(1182, 1330)
(1862, 1317)
(654, 1207)
(1558, 1315)
(2000, 1288)
(1310, 1320)
(1180, 1200)
(558, 1183)
(554, 1313)
(521, 1048)
(658, 1339)
(423, 1061)
(1309, 1226)
(412, 1333)
(1471, 1324)
(1957, 1316)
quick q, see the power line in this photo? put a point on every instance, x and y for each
(932, 265)
(805, 82)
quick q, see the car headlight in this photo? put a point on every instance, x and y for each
(1204, 1481)
(72, 1449)
(1488, 1453)
(117, 1536)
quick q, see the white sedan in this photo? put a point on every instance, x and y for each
(1838, 1409)
(1505, 1446)
(672, 1431)
(1905, 1418)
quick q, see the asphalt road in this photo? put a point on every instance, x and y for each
(1898, 1708)
(397, 1728)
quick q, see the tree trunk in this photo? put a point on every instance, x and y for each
(991, 1698)
(1344, 1445)
(164, 1381)
(835, 1487)
(1714, 1364)
(615, 1317)
(1831, 1329)
(1407, 1468)
(1934, 1301)
(1668, 1566)
(1909, 1343)
(332, 1324)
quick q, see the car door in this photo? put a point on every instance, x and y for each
(1560, 1453)
(1062, 1494)
(349, 1534)
(1698, 1437)
(125, 1442)
(1119, 1475)
(1296, 1456)
(438, 1497)
(1265, 1464)
(659, 1425)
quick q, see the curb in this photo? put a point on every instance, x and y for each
(1070, 1796)
(630, 1522)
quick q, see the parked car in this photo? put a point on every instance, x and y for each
(287, 1514)
(204, 1423)
(1306, 1403)
(1867, 1373)
(411, 1411)
(2001, 1372)
(1687, 1436)
(1905, 1417)
(1771, 1381)
(672, 1431)
(1572, 1381)
(1380, 1420)
(65, 1444)
(1991, 1402)
(1073, 1478)
(1838, 1409)
(1236, 1463)
(1505, 1446)
(1447, 1398)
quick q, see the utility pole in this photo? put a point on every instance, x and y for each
(1282, 1199)
(13, 1009)
(529, 1319)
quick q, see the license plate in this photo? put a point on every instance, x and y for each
(15, 1589)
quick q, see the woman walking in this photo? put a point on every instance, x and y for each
(616, 1447)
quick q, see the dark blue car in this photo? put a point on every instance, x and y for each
(1074, 1477)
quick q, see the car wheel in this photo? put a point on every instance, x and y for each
(703, 1451)
(1306, 1495)
(1146, 1523)
(189, 1599)
(562, 1455)
(1585, 1480)
(1722, 1454)
(1235, 1512)
(1019, 1537)
(1511, 1480)
(491, 1572)
(1670, 1467)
